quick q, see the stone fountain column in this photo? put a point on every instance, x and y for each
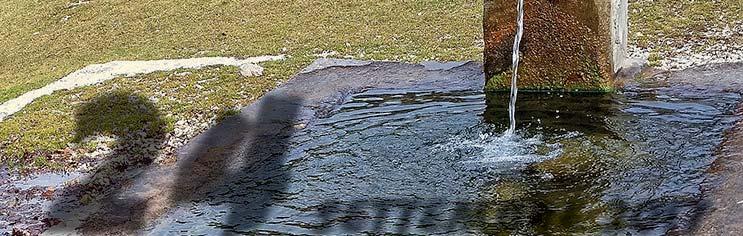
(568, 45)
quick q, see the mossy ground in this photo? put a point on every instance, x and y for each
(44, 40)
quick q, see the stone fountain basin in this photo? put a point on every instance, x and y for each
(203, 191)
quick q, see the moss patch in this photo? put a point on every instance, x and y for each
(502, 83)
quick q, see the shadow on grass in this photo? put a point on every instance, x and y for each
(139, 131)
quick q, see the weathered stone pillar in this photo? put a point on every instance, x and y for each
(568, 45)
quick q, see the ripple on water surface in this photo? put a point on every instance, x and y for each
(397, 161)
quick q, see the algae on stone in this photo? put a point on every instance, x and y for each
(567, 45)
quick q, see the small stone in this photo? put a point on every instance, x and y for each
(326, 54)
(250, 70)
(17, 231)
(85, 199)
(185, 73)
(49, 192)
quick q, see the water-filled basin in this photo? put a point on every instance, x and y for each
(424, 162)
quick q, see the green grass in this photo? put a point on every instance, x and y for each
(49, 39)
(654, 59)
(42, 41)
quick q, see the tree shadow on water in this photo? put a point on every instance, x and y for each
(139, 131)
(240, 162)
(393, 216)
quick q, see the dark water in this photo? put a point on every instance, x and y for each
(418, 162)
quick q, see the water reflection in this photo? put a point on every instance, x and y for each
(557, 112)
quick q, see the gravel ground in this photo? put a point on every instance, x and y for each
(684, 57)
(679, 34)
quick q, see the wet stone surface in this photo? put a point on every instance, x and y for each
(24, 200)
(566, 45)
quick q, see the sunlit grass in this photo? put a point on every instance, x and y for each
(45, 40)
(41, 41)
(49, 123)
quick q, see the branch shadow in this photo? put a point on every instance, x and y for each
(241, 158)
(397, 216)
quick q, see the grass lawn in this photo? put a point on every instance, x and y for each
(42, 41)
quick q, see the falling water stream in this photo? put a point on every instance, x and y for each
(515, 68)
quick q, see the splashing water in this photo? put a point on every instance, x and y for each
(515, 68)
(496, 148)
